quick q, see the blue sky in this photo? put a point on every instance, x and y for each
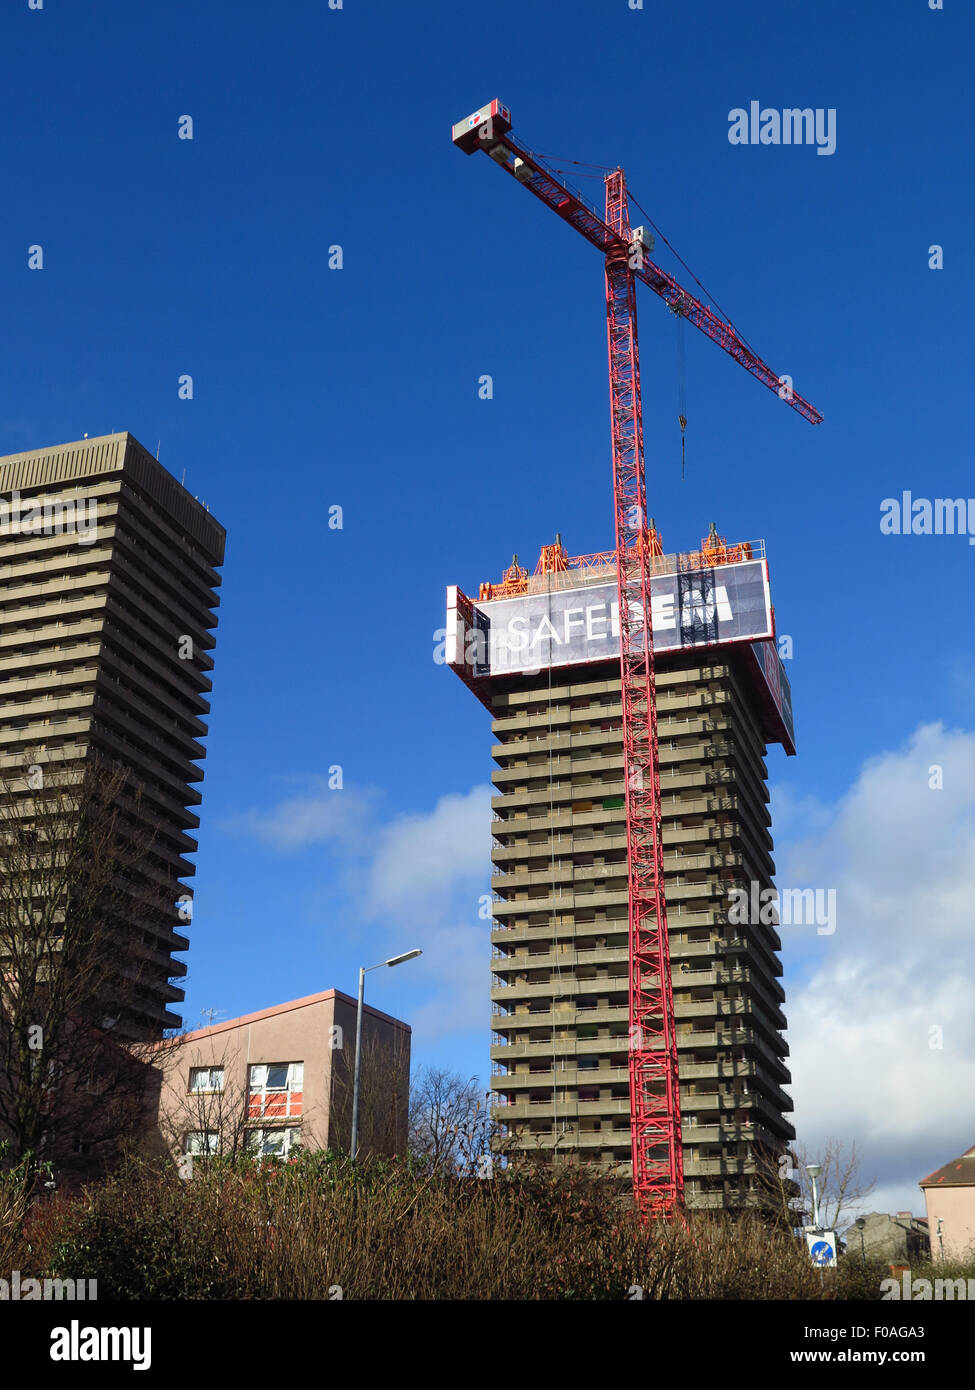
(358, 387)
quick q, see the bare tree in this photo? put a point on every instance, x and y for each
(219, 1104)
(450, 1122)
(72, 1076)
(842, 1190)
(383, 1095)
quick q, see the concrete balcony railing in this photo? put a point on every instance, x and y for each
(570, 875)
(555, 960)
(725, 1167)
(567, 1048)
(579, 727)
(720, 1069)
(603, 748)
(566, 988)
(760, 985)
(753, 1103)
(568, 1109)
(573, 1139)
(559, 902)
(564, 1076)
(583, 884)
(564, 795)
(53, 611)
(606, 1013)
(510, 861)
(569, 763)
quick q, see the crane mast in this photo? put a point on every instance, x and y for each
(655, 1126)
(655, 1120)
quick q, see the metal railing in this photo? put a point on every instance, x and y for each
(600, 568)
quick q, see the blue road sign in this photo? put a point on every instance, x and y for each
(822, 1248)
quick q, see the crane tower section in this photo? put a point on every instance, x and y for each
(654, 1092)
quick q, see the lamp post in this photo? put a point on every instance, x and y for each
(363, 971)
(860, 1223)
(941, 1239)
(814, 1170)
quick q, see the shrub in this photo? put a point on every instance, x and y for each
(319, 1226)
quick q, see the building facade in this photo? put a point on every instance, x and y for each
(896, 1238)
(949, 1194)
(560, 967)
(267, 1082)
(108, 579)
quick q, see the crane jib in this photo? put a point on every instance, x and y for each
(528, 169)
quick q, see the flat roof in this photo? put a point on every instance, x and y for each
(84, 461)
(292, 1004)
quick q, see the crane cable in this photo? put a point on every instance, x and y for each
(579, 163)
(703, 288)
(549, 161)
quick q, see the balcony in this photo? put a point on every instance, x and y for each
(607, 1013)
(563, 1076)
(722, 1167)
(555, 960)
(507, 1113)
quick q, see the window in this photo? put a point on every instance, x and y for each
(200, 1143)
(272, 1143)
(206, 1079)
(275, 1090)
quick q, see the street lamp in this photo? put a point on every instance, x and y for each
(363, 971)
(814, 1170)
(860, 1222)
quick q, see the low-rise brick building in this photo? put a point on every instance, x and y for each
(269, 1081)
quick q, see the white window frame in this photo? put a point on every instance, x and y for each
(209, 1151)
(210, 1089)
(257, 1139)
(258, 1083)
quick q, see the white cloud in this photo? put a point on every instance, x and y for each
(422, 859)
(901, 858)
(319, 816)
(457, 957)
(425, 880)
(416, 881)
(793, 810)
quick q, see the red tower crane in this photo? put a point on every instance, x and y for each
(655, 1124)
